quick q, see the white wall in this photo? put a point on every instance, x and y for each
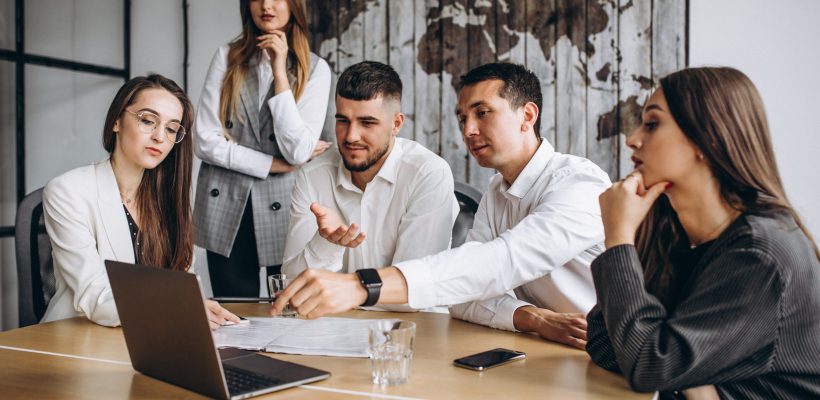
(776, 43)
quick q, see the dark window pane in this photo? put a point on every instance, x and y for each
(89, 31)
(7, 24)
(65, 112)
(8, 284)
(8, 170)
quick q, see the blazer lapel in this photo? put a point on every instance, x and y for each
(249, 97)
(112, 213)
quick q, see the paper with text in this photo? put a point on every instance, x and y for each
(339, 337)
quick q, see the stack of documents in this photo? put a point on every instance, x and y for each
(340, 337)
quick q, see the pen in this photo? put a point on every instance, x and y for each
(243, 299)
(242, 321)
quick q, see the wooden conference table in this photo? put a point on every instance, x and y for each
(75, 358)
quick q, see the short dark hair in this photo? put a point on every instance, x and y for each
(520, 85)
(368, 80)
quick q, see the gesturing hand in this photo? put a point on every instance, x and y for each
(566, 328)
(276, 44)
(333, 228)
(317, 292)
(625, 205)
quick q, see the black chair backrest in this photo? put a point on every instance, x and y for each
(468, 199)
(35, 271)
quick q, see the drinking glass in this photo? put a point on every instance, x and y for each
(276, 284)
(391, 351)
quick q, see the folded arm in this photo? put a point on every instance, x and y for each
(299, 125)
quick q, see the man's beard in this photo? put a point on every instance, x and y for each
(364, 166)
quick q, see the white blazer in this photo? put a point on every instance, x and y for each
(86, 223)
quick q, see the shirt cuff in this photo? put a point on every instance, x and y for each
(320, 252)
(251, 162)
(503, 318)
(280, 100)
(421, 286)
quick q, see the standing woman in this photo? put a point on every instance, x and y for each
(261, 113)
(709, 277)
(133, 207)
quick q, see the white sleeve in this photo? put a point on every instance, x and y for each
(211, 145)
(427, 224)
(75, 255)
(496, 312)
(566, 222)
(298, 126)
(482, 229)
(304, 247)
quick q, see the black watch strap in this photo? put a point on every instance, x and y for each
(372, 282)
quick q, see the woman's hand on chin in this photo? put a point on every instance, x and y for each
(624, 205)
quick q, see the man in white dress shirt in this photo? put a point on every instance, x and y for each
(525, 265)
(378, 200)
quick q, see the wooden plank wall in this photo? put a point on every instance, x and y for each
(597, 60)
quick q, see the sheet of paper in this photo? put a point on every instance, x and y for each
(255, 335)
(341, 337)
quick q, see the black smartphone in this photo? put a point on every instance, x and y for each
(488, 359)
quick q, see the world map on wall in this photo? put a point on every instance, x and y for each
(510, 22)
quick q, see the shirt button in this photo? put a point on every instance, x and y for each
(214, 192)
(275, 206)
(272, 137)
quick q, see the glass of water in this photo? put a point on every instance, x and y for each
(391, 351)
(276, 284)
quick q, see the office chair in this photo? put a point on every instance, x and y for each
(35, 271)
(468, 198)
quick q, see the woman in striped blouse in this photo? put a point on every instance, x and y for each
(710, 284)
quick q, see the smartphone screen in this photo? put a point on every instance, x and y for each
(488, 359)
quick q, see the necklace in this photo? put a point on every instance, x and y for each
(693, 245)
(124, 197)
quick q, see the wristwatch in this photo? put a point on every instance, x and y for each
(372, 282)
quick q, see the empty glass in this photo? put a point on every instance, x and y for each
(391, 351)
(276, 284)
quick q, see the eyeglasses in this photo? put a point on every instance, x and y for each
(149, 121)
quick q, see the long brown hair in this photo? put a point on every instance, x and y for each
(243, 48)
(163, 196)
(721, 112)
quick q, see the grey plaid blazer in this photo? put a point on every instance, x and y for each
(221, 193)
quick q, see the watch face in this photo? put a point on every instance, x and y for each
(370, 277)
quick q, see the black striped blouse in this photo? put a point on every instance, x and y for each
(747, 317)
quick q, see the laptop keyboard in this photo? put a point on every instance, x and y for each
(244, 381)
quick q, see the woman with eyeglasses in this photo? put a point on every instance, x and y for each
(134, 207)
(261, 113)
(710, 284)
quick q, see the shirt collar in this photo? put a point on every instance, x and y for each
(389, 170)
(529, 175)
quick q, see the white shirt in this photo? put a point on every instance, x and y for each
(407, 211)
(537, 236)
(297, 125)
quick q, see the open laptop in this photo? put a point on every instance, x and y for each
(168, 336)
